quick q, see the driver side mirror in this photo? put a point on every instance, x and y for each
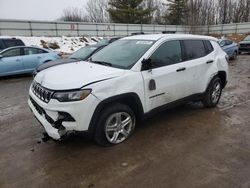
(1, 56)
(146, 64)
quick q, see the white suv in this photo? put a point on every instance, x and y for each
(126, 81)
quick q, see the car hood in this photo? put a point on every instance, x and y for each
(75, 75)
(54, 63)
(245, 42)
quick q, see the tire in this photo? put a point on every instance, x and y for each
(234, 55)
(115, 125)
(213, 93)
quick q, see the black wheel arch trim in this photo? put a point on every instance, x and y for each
(222, 75)
(130, 99)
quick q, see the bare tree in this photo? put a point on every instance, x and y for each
(97, 11)
(204, 12)
(73, 15)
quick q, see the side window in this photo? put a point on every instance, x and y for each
(222, 43)
(30, 51)
(1, 45)
(194, 49)
(19, 43)
(229, 42)
(40, 51)
(209, 47)
(167, 54)
(10, 43)
(12, 53)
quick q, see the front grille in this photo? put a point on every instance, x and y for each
(41, 92)
(244, 45)
(41, 111)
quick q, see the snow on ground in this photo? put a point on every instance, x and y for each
(66, 45)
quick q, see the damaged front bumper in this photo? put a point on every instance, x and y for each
(59, 118)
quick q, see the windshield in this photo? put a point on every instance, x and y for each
(104, 41)
(222, 43)
(123, 53)
(83, 53)
(247, 38)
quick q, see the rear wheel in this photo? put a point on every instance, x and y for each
(213, 93)
(115, 125)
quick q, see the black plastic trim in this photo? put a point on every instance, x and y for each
(118, 98)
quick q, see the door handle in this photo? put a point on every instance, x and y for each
(210, 61)
(181, 69)
(18, 60)
(39, 57)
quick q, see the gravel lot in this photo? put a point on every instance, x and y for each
(188, 146)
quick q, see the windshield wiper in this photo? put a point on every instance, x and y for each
(101, 63)
(76, 58)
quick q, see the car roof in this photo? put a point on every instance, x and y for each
(156, 37)
(9, 38)
(13, 47)
(96, 45)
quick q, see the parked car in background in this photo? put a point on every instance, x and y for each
(80, 55)
(23, 59)
(108, 40)
(10, 42)
(230, 47)
(245, 45)
(126, 81)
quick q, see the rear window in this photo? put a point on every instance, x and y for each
(194, 49)
(40, 51)
(12, 42)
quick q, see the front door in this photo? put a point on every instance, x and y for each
(11, 62)
(170, 78)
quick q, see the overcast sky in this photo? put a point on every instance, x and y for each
(36, 9)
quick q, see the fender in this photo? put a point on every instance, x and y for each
(131, 99)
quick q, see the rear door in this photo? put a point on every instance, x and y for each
(170, 78)
(201, 55)
(32, 58)
(11, 62)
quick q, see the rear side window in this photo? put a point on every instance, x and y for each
(31, 51)
(194, 49)
(167, 54)
(208, 46)
(19, 43)
(40, 51)
(12, 42)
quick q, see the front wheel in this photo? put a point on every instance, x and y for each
(115, 125)
(213, 93)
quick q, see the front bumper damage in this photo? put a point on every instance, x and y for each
(58, 118)
(54, 128)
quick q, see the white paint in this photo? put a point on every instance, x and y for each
(174, 85)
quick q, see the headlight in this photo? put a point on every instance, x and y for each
(71, 95)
